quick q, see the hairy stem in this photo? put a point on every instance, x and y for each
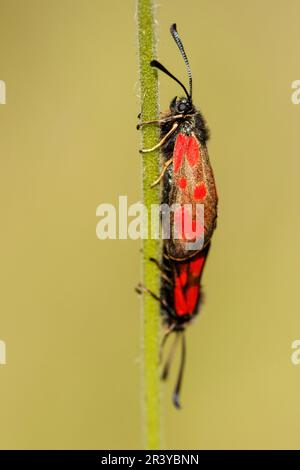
(151, 248)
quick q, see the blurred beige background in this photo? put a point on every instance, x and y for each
(68, 311)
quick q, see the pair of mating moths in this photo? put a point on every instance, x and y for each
(187, 181)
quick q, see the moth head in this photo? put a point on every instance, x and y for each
(181, 105)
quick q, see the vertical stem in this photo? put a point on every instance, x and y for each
(151, 320)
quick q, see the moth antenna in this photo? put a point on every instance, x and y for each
(162, 68)
(178, 41)
(180, 373)
(169, 360)
(163, 342)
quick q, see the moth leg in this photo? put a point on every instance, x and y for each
(155, 121)
(163, 120)
(159, 121)
(160, 266)
(162, 270)
(140, 288)
(166, 165)
(140, 115)
(163, 140)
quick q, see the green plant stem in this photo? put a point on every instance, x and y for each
(151, 248)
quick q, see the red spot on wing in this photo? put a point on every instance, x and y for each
(185, 145)
(182, 182)
(186, 293)
(200, 191)
(193, 153)
(180, 150)
(179, 300)
(196, 266)
(183, 275)
(192, 294)
(187, 289)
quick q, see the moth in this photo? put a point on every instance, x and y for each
(187, 175)
(180, 299)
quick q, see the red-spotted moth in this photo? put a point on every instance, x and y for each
(180, 299)
(187, 175)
